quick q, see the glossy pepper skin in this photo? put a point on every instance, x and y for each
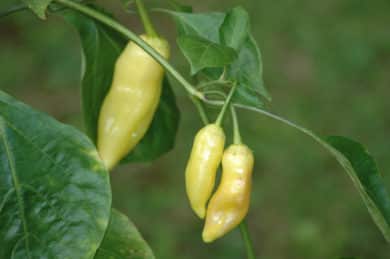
(202, 166)
(229, 204)
(129, 106)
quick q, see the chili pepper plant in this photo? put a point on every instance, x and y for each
(55, 192)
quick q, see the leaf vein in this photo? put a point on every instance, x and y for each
(15, 181)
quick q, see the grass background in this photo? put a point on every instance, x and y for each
(327, 66)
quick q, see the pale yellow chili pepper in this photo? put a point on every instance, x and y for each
(129, 106)
(202, 166)
(229, 204)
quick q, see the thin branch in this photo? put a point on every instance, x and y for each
(13, 9)
(250, 252)
(148, 25)
(225, 106)
(137, 40)
(199, 106)
(236, 126)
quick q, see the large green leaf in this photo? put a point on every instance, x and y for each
(202, 53)
(360, 167)
(38, 7)
(235, 28)
(229, 30)
(123, 240)
(101, 48)
(204, 25)
(55, 191)
(247, 70)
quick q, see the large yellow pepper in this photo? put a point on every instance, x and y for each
(202, 166)
(229, 204)
(128, 108)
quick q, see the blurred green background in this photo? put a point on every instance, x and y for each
(327, 65)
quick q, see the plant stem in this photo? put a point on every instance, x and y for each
(271, 115)
(236, 127)
(199, 106)
(243, 226)
(214, 82)
(137, 40)
(250, 252)
(281, 119)
(225, 106)
(148, 25)
(13, 9)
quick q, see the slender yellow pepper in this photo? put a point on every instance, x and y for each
(128, 108)
(229, 204)
(202, 166)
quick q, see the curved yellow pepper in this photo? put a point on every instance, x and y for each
(202, 166)
(229, 204)
(128, 108)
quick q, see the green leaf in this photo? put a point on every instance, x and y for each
(123, 241)
(180, 7)
(38, 7)
(202, 53)
(247, 69)
(228, 30)
(235, 28)
(55, 191)
(101, 48)
(362, 169)
(247, 96)
(203, 25)
(127, 3)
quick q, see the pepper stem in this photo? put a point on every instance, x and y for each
(225, 106)
(146, 21)
(250, 252)
(199, 106)
(236, 127)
